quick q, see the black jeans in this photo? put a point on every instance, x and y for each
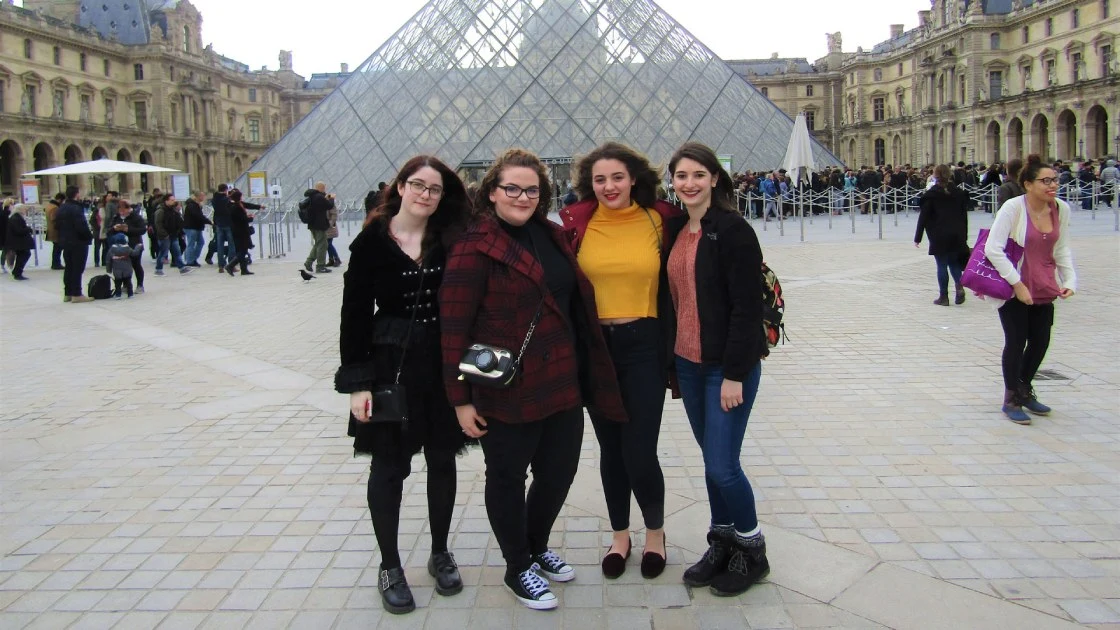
(119, 283)
(21, 258)
(137, 268)
(100, 251)
(522, 523)
(75, 257)
(1026, 336)
(628, 450)
(383, 492)
(56, 256)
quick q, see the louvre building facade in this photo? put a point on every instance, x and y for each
(466, 79)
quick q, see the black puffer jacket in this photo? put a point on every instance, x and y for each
(318, 210)
(18, 236)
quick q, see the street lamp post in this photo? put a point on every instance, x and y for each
(1081, 148)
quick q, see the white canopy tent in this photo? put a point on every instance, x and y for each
(101, 167)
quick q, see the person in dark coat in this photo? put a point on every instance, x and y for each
(944, 219)
(194, 222)
(223, 230)
(319, 205)
(242, 236)
(5, 212)
(514, 271)
(74, 236)
(396, 265)
(129, 221)
(18, 239)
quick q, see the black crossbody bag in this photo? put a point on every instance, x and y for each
(389, 404)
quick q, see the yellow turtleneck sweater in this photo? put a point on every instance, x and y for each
(620, 254)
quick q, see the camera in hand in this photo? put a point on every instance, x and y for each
(487, 365)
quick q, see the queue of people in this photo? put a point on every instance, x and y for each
(487, 323)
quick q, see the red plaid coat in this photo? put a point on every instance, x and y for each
(490, 292)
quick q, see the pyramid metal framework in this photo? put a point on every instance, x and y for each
(466, 79)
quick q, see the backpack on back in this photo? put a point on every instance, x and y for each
(100, 287)
(773, 308)
(305, 210)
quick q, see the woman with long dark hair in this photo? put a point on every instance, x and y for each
(715, 278)
(396, 267)
(944, 218)
(1039, 222)
(513, 283)
(618, 229)
(242, 232)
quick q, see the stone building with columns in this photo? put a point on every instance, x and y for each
(976, 81)
(80, 80)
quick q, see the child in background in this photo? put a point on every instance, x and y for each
(120, 255)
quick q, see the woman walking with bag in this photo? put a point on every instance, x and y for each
(396, 265)
(715, 276)
(944, 218)
(1039, 222)
(513, 284)
(618, 234)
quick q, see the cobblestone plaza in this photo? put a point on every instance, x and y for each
(179, 460)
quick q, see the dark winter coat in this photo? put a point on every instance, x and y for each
(193, 218)
(728, 293)
(382, 276)
(4, 214)
(18, 237)
(944, 219)
(222, 209)
(1008, 190)
(71, 226)
(318, 218)
(490, 292)
(239, 222)
(134, 224)
(169, 223)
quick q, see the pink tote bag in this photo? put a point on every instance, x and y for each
(980, 276)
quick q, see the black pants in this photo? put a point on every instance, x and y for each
(21, 258)
(119, 283)
(521, 522)
(100, 251)
(383, 492)
(75, 257)
(1026, 336)
(628, 450)
(137, 268)
(56, 256)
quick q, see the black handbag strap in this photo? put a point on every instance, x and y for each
(411, 322)
(540, 306)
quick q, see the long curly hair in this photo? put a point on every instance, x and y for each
(513, 157)
(451, 213)
(644, 190)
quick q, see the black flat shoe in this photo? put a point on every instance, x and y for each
(396, 597)
(654, 563)
(614, 563)
(441, 566)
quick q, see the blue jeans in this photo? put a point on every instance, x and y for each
(720, 436)
(169, 245)
(946, 264)
(224, 237)
(194, 246)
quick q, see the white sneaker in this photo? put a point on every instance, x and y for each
(532, 591)
(553, 567)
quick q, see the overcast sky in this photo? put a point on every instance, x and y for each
(324, 33)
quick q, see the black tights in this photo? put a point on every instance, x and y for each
(386, 484)
(1026, 333)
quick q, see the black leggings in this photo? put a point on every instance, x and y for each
(521, 522)
(1026, 334)
(386, 483)
(628, 450)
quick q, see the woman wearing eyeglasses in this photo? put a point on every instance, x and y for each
(1039, 222)
(513, 281)
(396, 265)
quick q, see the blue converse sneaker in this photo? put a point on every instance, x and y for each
(531, 590)
(553, 567)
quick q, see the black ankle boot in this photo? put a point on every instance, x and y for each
(712, 563)
(396, 597)
(441, 566)
(747, 565)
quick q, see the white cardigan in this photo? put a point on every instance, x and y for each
(1011, 221)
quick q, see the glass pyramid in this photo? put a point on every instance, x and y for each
(466, 79)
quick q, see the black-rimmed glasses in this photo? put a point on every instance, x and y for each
(1047, 181)
(419, 187)
(514, 191)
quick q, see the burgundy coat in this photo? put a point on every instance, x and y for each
(490, 292)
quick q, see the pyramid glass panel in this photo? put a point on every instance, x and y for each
(467, 79)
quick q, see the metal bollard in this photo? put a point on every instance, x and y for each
(852, 208)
